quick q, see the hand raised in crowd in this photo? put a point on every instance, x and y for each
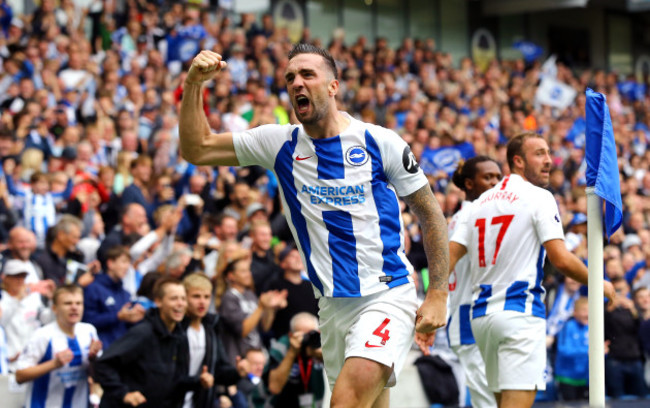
(96, 346)
(243, 366)
(134, 398)
(206, 379)
(131, 314)
(204, 67)
(274, 299)
(63, 357)
(45, 287)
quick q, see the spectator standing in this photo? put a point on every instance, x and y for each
(138, 191)
(22, 246)
(145, 367)
(61, 261)
(133, 217)
(243, 314)
(623, 365)
(22, 312)
(56, 358)
(208, 358)
(572, 358)
(107, 305)
(263, 265)
(300, 294)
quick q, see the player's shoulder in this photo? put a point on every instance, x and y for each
(376, 131)
(85, 328)
(46, 332)
(275, 129)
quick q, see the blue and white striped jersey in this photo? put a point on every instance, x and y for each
(459, 329)
(340, 197)
(65, 387)
(504, 233)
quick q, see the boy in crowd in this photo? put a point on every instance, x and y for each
(208, 356)
(107, 303)
(55, 360)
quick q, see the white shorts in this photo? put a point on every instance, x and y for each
(470, 358)
(513, 346)
(378, 327)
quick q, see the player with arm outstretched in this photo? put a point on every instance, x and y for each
(340, 181)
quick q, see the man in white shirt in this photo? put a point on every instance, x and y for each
(22, 312)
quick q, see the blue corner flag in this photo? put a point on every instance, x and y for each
(602, 163)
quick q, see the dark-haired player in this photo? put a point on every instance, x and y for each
(474, 177)
(340, 181)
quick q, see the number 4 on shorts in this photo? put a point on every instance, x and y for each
(383, 334)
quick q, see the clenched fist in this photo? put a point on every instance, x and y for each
(204, 67)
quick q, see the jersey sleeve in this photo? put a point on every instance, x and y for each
(547, 221)
(260, 145)
(34, 350)
(462, 231)
(400, 165)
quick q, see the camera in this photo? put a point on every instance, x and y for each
(311, 339)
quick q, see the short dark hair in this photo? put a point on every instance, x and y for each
(515, 146)
(117, 251)
(467, 170)
(159, 286)
(306, 48)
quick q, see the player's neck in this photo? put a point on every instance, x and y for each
(330, 126)
(66, 328)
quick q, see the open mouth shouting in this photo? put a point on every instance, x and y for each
(302, 104)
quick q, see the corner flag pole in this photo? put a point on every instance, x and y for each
(596, 300)
(603, 186)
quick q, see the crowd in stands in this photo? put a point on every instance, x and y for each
(95, 193)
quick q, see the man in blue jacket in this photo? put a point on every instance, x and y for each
(107, 305)
(572, 358)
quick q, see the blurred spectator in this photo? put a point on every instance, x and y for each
(263, 264)
(300, 294)
(623, 365)
(22, 312)
(56, 358)
(572, 357)
(240, 199)
(61, 261)
(138, 191)
(295, 370)
(242, 313)
(107, 305)
(562, 310)
(132, 220)
(39, 211)
(22, 246)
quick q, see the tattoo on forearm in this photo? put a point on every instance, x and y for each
(434, 235)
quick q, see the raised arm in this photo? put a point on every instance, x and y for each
(433, 312)
(198, 145)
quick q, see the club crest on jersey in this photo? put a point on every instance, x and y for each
(356, 156)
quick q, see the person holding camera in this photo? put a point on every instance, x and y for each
(295, 371)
